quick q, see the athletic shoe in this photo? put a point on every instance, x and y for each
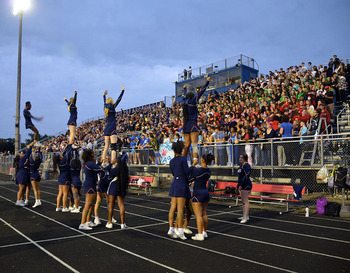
(75, 211)
(26, 202)
(84, 227)
(58, 209)
(198, 237)
(91, 224)
(180, 235)
(65, 210)
(205, 234)
(97, 221)
(109, 225)
(20, 203)
(244, 221)
(123, 226)
(172, 234)
(113, 220)
(37, 203)
(241, 218)
(71, 208)
(187, 230)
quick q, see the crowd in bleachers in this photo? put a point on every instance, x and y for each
(299, 95)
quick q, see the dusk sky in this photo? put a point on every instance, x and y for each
(91, 46)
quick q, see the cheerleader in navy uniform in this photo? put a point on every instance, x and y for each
(28, 120)
(179, 190)
(64, 178)
(72, 122)
(91, 169)
(244, 186)
(118, 187)
(34, 163)
(200, 196)
(190, 115)
(75, 168)
(110, 132)
(23, 175)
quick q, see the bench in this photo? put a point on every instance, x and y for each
(288, 190)
(142, 182)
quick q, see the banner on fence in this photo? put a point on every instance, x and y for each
(166, 153)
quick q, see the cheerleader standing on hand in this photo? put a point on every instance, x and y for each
(118, 187)
(22, 176)
(91, 169)
(110, 129)
(64, 178)
(179, 190)
(72, 122)
(190, 115)
(34, 163)
(200, 197)
(28, 120)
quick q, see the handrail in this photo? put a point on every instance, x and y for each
(338, 117)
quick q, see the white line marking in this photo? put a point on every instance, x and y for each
(40, 247)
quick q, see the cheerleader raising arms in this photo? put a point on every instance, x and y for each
(72, 122)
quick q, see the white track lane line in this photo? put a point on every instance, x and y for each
(41, 248)
(158, 236)
(99, 240)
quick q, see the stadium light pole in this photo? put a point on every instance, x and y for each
(18, 8)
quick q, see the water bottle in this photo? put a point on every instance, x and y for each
(307, 212)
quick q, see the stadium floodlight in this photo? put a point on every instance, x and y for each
(18, 8)
(20, 5)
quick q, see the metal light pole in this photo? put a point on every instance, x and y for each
(19, 7)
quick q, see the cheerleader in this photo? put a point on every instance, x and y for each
(28, 121)
(22, 176)
(190, 115)
(34, 163)
(91, 169)
(179, 190)
(110, 129)
(72, 122)
(118, 187)
(64, 178)
(244, 186)
(200, 197)
(75, 168)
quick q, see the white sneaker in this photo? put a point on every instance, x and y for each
(243, 221)
(71, 208)
(123, 226)
(91, 224)
(113, 220)
(187, 230)
(180, 235)
(65, 210)
(97, 221)
(75, 211)
(59, 209)
(26, 202)
(241, 218)
(198, 237)
(37, 203)
(84, 227)
(20, 203)
(205, 234)
(109, 225)
(172, 234)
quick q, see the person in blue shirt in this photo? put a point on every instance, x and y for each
(110, 131)
(72, 122)
(23, 174)
(190, 115)
(244, 186)
(179, 190)
(34, 163)
(28, 120)
(200, 196)
(287, 133)
(91, 169)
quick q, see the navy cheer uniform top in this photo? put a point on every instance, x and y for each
(244, 177)
(34, 164)
(28, 119)
(200, 190)
(191, 104)
(103, 183)
(91, 169)
(75, 168)
(64, 166)
(181, 172)
(111, 120)
(73, 111)
(22, 176)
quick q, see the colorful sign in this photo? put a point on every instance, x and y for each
(166, 153)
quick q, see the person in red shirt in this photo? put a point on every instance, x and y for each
(305, 116)
(324, 114)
